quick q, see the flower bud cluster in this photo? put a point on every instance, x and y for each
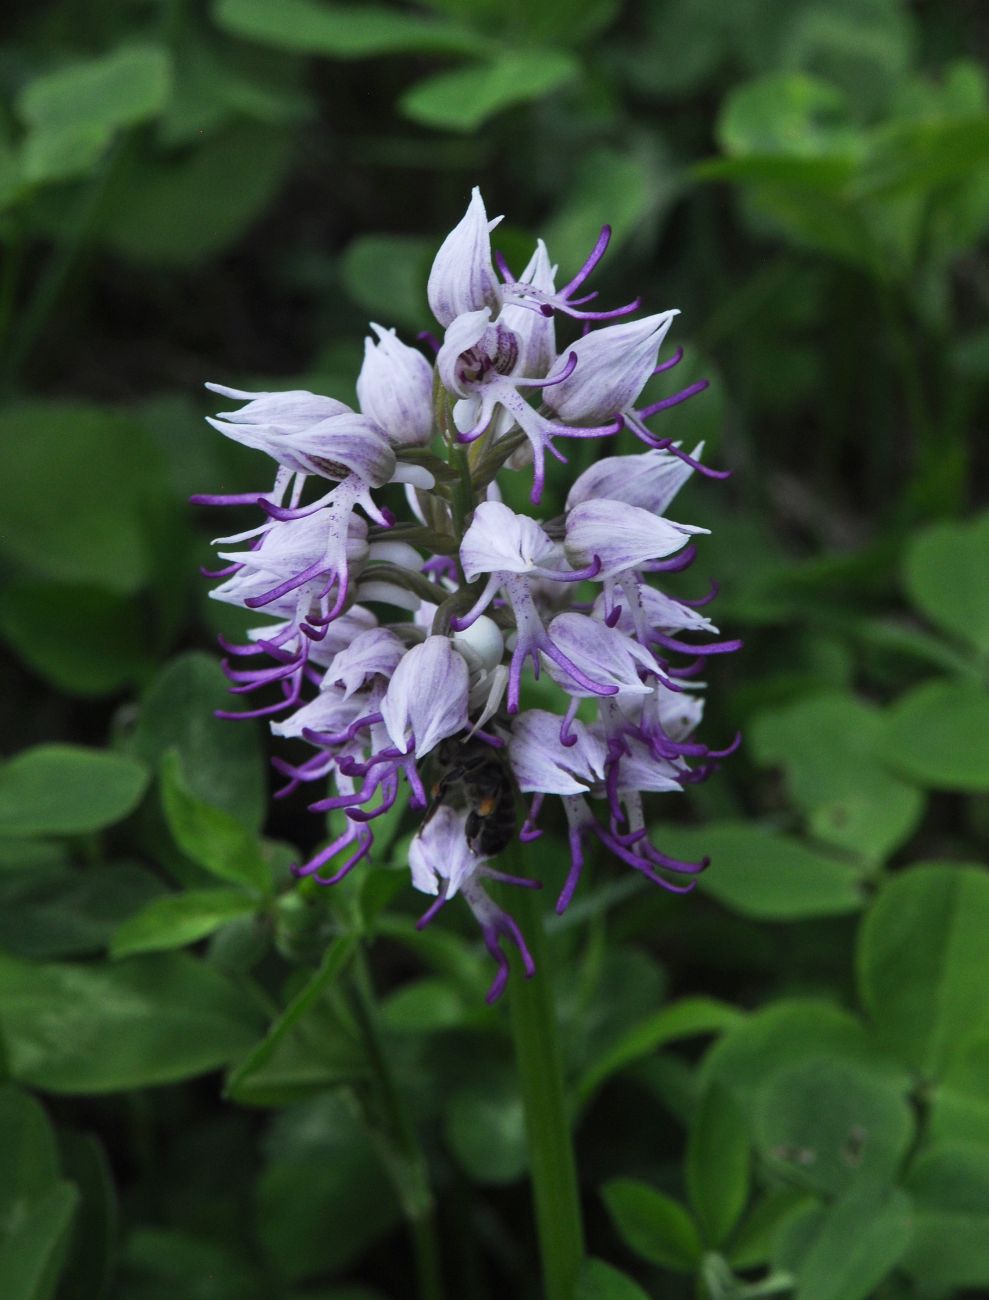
(401, 651)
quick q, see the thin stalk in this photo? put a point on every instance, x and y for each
(395, 1134)
(552, 1166)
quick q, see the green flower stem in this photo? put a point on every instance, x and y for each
(392, 1129)
(547, 1119)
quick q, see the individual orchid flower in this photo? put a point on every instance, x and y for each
(395, 389)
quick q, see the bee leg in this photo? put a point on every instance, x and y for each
(472, 829)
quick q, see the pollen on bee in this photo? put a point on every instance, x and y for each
(486, 806)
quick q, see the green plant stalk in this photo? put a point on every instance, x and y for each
(552, 1166)
(394, 1134)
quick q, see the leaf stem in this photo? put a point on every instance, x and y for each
(540, 1074)
(394, 1134)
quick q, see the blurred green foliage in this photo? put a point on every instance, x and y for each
(781, 1084)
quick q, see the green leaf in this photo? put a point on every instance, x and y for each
(753, 1242)
(222, 760)
(31, 1257)
(485, 1130)
(936, 735)
(73, 112)
(159, 1263)
(94, 1029)
(67, 790)
(718, 1163)
(620, 189)
(950, 1246)
(765, 875)
(210, 836)
(827, 746)
(825, 1124)
(92, 1254)
(923, 966)
(386, 274)
(119, 89)
(96, 646)
(180, 919)
(683, 1019)
(46, 914)
(945, 575)
(959, 1105)
(61, 463)
(599, 1281)
(186, 207)
(425, 1006)
(789, 1032)
(306, 1049)
(321, 1145)
(341, 31)
(854, 1244)
(464, 99)
(653, 1224)
(29, 1164)
(786, 113)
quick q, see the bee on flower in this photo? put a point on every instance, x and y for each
(399, 650)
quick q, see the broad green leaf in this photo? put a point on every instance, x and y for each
(94, 1029)
(826, 1123)
(92, 1254)
(789, 1032)
(787, 113)
(29, 1164)
(462, 100)
(70, 912)
(341, 31)
(180, 919)
(653, 1224)
(386, 274)
(826, 746)
(184, 208)
(946, 578)
(950, 1246)
(959, 1104)
(210, 836)
(67, 790)
(119, 89)
(767, 876)
(31, 1256)
(305, 1050)
(683, 1019)
(753, 1242)
(221, 759)
(72, 113)
(158, 1263)
(61, 464)
(320, 1145)
(96, 646)
(599, 1281)
(619, 189)
(851, 1246)
(425, 1006)
(936, 735)
(718, 1163)
(923, 967)
(485, 1130)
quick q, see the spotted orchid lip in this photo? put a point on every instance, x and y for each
(474, 597)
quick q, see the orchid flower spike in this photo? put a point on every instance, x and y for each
(450, 653)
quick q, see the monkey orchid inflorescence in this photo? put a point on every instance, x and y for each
(392, 640)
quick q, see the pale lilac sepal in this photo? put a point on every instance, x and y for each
(621, 536)
(542, 764)
(605, 655)
(613, 365)
(376, 653)
(649, 481)
(500, 541)
(395, 389)
(426, 700)
(440, 852)
(462, 277)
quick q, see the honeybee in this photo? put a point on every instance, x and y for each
(475, 776)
